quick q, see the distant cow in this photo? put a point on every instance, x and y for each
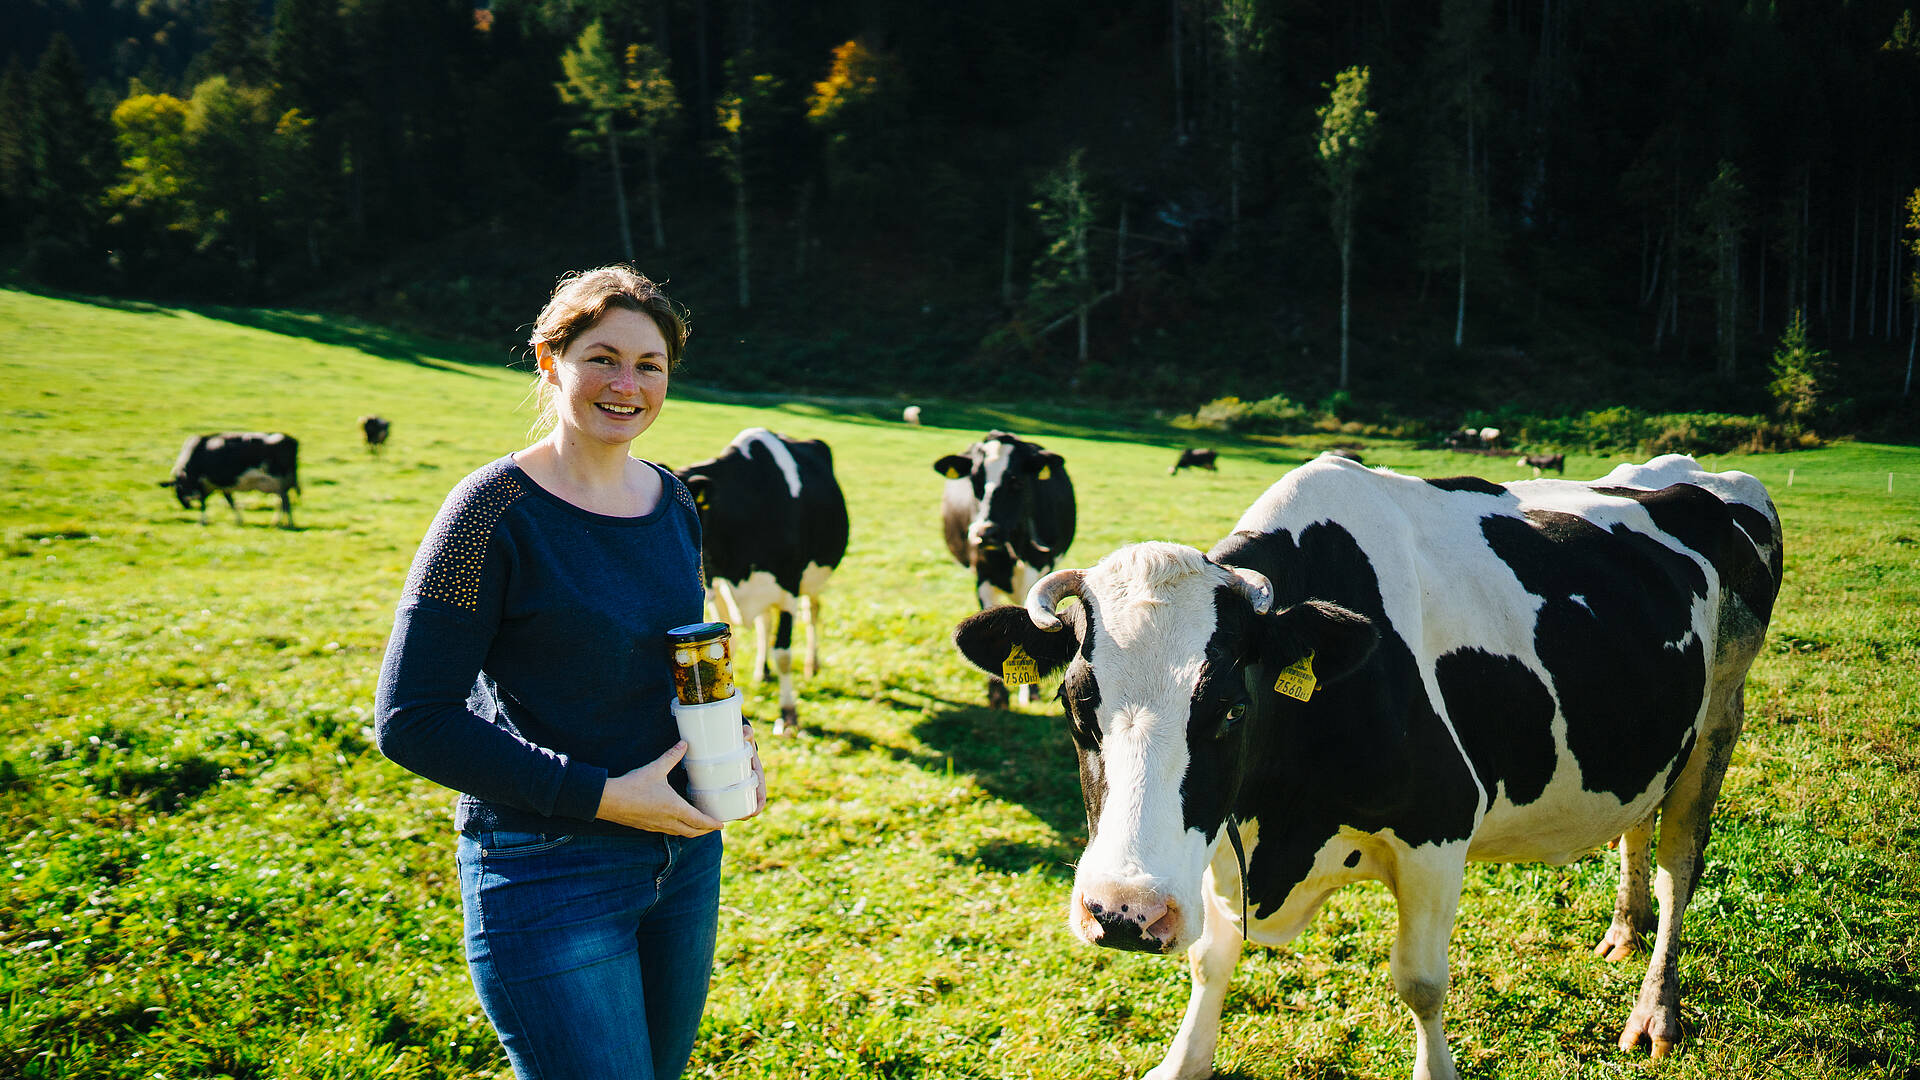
(1008, 514)
(910, 414)
(236, 461)
(1556, 462)
(1472, 438)
(375, 428)
(773, 525)
(1195, 459)
(1379, 677)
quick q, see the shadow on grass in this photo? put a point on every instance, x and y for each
(1022, 758)
(352, 333)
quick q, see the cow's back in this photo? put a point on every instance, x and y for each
(1570, 636)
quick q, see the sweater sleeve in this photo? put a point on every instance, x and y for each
(443, 629)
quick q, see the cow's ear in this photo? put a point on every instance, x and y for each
(989, 637)
(1340, 640)
(954, 466)
(1049, 461)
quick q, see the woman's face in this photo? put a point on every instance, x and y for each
(612, 380)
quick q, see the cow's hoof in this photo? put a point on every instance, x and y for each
(789, 722)
(1661, 1048)
(997, 695)
(1619, 944)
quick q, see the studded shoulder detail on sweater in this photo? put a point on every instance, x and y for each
(454, 551)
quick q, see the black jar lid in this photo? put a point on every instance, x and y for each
(696, 632)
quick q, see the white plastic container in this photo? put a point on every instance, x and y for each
(711, 730)
(728, 803)
(712, 774)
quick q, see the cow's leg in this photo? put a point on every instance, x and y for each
(1633, 905)
(286, 507)
(789, 722)
(231, 505)
(759, 673)
(1427, 894)
(1211, 961)
(1686, 820)
(810, 615)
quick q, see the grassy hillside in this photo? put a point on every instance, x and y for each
(210, 872)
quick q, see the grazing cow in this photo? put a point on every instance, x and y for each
(1381, 677)
(236, 461)
(1489, 437)
(376, 430)
(1556, 462)
(1008, 514)
(910, 414)
(773, 528)
(1196, 459)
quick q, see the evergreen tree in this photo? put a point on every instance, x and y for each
(236, 51)
(747, 103)
(1799, 376)
(1455, 234)
(1346, 134)
(597, 90)
(1722, 211)
(69, 159)
(13, 151)
(1241, 39)
(655, 108)
(1063, 274)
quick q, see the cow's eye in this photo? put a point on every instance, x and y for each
(1231, 718)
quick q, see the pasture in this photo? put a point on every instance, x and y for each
(209, 872)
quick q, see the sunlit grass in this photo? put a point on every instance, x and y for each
(209, 872)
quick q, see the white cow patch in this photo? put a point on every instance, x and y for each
(760, 438)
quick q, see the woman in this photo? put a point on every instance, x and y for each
(528, 670)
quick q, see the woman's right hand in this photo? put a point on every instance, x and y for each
(642, 799)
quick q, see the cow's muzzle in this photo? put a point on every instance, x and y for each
(1126, 918)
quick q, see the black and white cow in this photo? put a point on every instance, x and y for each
(1008, 515)
(236, 461)
(774, 527)
(1195, 459)
(376, 429)
(1542, 462)
(1382, 677)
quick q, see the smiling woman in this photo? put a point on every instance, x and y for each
(590, 884)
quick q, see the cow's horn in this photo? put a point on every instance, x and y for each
(1253, 585)
(1049, 591)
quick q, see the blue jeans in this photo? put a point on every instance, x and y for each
(591, 954)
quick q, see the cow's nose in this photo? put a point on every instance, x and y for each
(990, 535)
(1137, 921)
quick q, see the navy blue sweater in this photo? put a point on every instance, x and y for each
(528, 660)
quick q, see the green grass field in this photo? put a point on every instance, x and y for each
(210, 872)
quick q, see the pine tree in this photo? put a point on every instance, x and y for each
(1063, 274)
(69, 159)
(597, 89)
(655, 108)
(1346, 134)
(13, 150)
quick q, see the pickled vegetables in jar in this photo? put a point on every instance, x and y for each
(702, 660)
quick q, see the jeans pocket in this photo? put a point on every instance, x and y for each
(508, 843)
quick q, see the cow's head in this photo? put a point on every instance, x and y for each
(183, 489)
(1170, 664)
(1005, 472)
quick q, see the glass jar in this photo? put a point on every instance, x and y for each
(702, 658)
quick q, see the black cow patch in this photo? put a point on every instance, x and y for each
(1702, 522)
(1477, 485)
(1615, 606)
(1368, 751)
(1504, 716)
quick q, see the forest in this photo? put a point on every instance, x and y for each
(1402, 214)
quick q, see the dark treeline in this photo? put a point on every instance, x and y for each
(1431, 204)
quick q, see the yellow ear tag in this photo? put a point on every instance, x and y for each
(1019, 668)
(1046, 472)
(1297, 680)
(953, 474)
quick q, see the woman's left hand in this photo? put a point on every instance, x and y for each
(759, 770)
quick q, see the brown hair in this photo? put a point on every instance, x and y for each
(583, 298)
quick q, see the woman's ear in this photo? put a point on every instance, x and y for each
(543, 359)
